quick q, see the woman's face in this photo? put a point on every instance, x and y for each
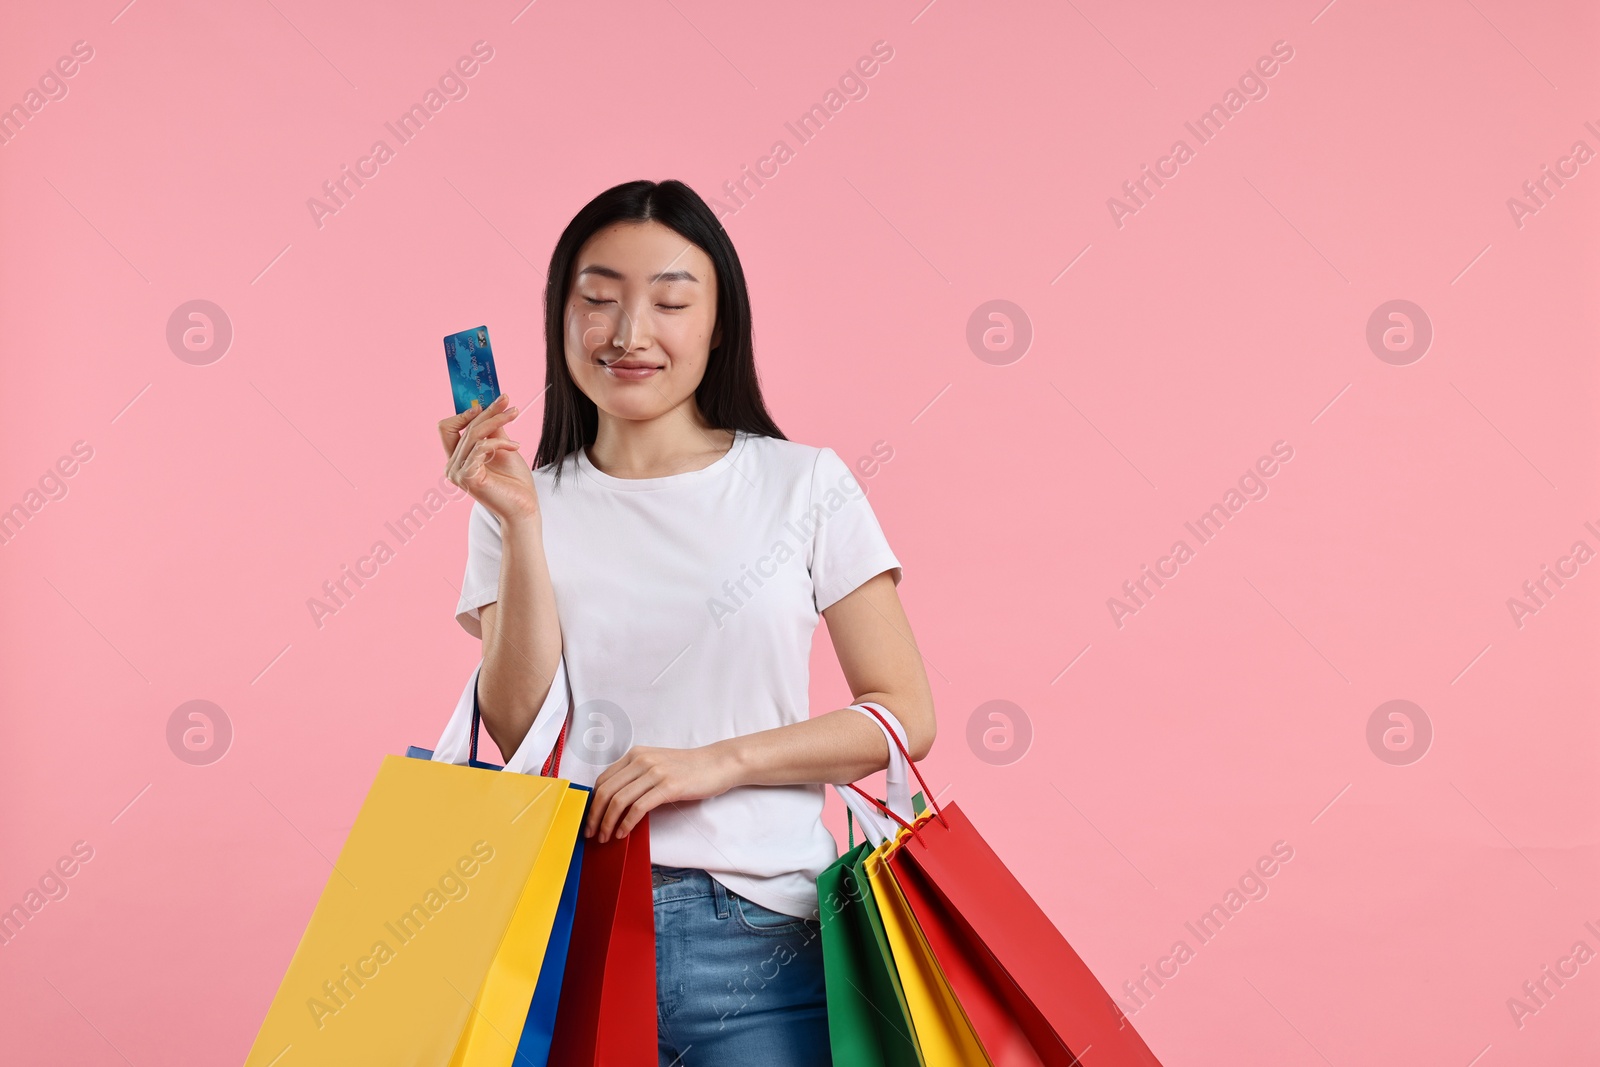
(641, 319)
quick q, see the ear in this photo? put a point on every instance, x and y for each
(716, 335)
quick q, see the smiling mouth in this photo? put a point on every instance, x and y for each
(630, 370)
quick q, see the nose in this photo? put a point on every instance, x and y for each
(635, 328)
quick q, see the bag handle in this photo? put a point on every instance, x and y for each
(863, 808)
(875, 827)
(850, 819)
(539, 752)
(551, 763)
(878, 711)
(874, 711)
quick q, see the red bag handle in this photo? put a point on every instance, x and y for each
(880, 804)
(926, 792)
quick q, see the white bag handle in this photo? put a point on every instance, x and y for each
(877, 827)
(455, 744)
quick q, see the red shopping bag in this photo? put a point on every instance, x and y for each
(1013, 1032)
(607, 1013)
(1029, 996)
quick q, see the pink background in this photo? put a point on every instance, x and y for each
(1229, 313)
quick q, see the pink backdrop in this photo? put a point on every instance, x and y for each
(1140, 361)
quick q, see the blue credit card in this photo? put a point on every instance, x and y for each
(471, 362)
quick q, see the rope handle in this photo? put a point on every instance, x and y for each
(926, 792)
(552, 766)
(850, 815)
(884, 807)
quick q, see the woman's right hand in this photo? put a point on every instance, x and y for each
(486, 463)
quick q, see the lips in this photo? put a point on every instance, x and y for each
(631, 370)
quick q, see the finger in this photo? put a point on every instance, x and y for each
(459, 450)
(479, 456)
(486, 428)
(467, 414)
(605, 786)
(491, 422)
(484, 451)
(606, 792)
(450, 428)
(488, 424)
(621, 801)
(657, 796)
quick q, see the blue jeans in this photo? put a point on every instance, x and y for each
(736, 983)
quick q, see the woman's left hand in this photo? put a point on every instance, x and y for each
(645, 778)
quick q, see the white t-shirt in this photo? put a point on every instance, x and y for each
(687, 607)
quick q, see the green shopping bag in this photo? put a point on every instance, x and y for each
(869, 1024)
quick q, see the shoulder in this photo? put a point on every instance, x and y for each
(790, 460)
(549, 488)
(544, 477)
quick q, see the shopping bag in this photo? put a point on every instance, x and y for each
(533, 1048)
(503, 1003)
(992, 918)
(607, 1016)
(944, 1034)
(541, 746)
(595, 1003)
(869, 1019)
(425, 945)
(1028, 994)
(869, 1024)
(1010, 1028)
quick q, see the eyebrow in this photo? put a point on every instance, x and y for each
(616, 275)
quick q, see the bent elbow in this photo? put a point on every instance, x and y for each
(920, 742)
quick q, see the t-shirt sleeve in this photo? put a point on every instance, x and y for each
(481, 583)
(848, 547)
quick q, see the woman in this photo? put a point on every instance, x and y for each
(664, 568)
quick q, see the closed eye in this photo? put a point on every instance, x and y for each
(670, 307)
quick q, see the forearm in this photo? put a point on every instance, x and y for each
(841, 746)
(521, 637)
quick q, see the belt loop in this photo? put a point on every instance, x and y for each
(719, 893)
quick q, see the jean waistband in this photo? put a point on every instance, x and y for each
(685, 883)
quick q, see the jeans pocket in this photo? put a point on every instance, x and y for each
(764, 921)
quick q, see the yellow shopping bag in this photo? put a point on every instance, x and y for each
(943, 1032)
(425, 946)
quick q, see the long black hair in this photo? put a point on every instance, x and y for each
(729, 395)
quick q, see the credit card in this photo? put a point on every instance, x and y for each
(471, 363)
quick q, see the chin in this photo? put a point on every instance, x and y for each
(633, 412)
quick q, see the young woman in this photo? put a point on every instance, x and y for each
(663, 569)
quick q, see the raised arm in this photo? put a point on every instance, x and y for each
(520, 631)
(521, 637)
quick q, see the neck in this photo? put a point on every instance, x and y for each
(673, 442)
